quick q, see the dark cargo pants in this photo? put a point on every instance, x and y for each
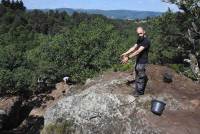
(141, 78)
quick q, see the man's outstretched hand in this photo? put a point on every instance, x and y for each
(123, 55)
(124, 60)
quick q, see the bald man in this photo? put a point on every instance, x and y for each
(140, 50)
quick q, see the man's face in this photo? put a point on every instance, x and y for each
(140, 32)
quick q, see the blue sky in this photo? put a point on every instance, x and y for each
(142, 5)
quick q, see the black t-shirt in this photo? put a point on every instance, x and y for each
(142, 57)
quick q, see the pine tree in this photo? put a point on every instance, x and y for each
(21, 5)
(13, 4)
(8, 3)
(3, 2)
(17, 5)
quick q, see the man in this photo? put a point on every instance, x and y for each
(139, 50)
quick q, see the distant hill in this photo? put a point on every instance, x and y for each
(114, 14)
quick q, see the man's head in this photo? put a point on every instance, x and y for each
(141, 33)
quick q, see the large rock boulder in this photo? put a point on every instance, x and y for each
(96, 109)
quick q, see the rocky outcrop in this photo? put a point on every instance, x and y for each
(105, 105)
(98, 110)
(10, 112)
(19, 115)
(2, 118)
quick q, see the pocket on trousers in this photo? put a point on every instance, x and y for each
(140, 67)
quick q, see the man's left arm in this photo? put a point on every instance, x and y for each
(142, 46)
(139, 50)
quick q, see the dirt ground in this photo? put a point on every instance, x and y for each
(182, 89)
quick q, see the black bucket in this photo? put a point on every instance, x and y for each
(157, 107)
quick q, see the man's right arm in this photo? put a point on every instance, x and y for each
(132, 49)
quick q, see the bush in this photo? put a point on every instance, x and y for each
(180, 68)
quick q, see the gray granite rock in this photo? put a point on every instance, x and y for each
(96, 110)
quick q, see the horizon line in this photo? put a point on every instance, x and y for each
(96, 9)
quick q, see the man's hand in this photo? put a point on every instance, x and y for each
(124, 54)
(124, 60)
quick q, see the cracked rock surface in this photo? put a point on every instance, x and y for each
(105, 105)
